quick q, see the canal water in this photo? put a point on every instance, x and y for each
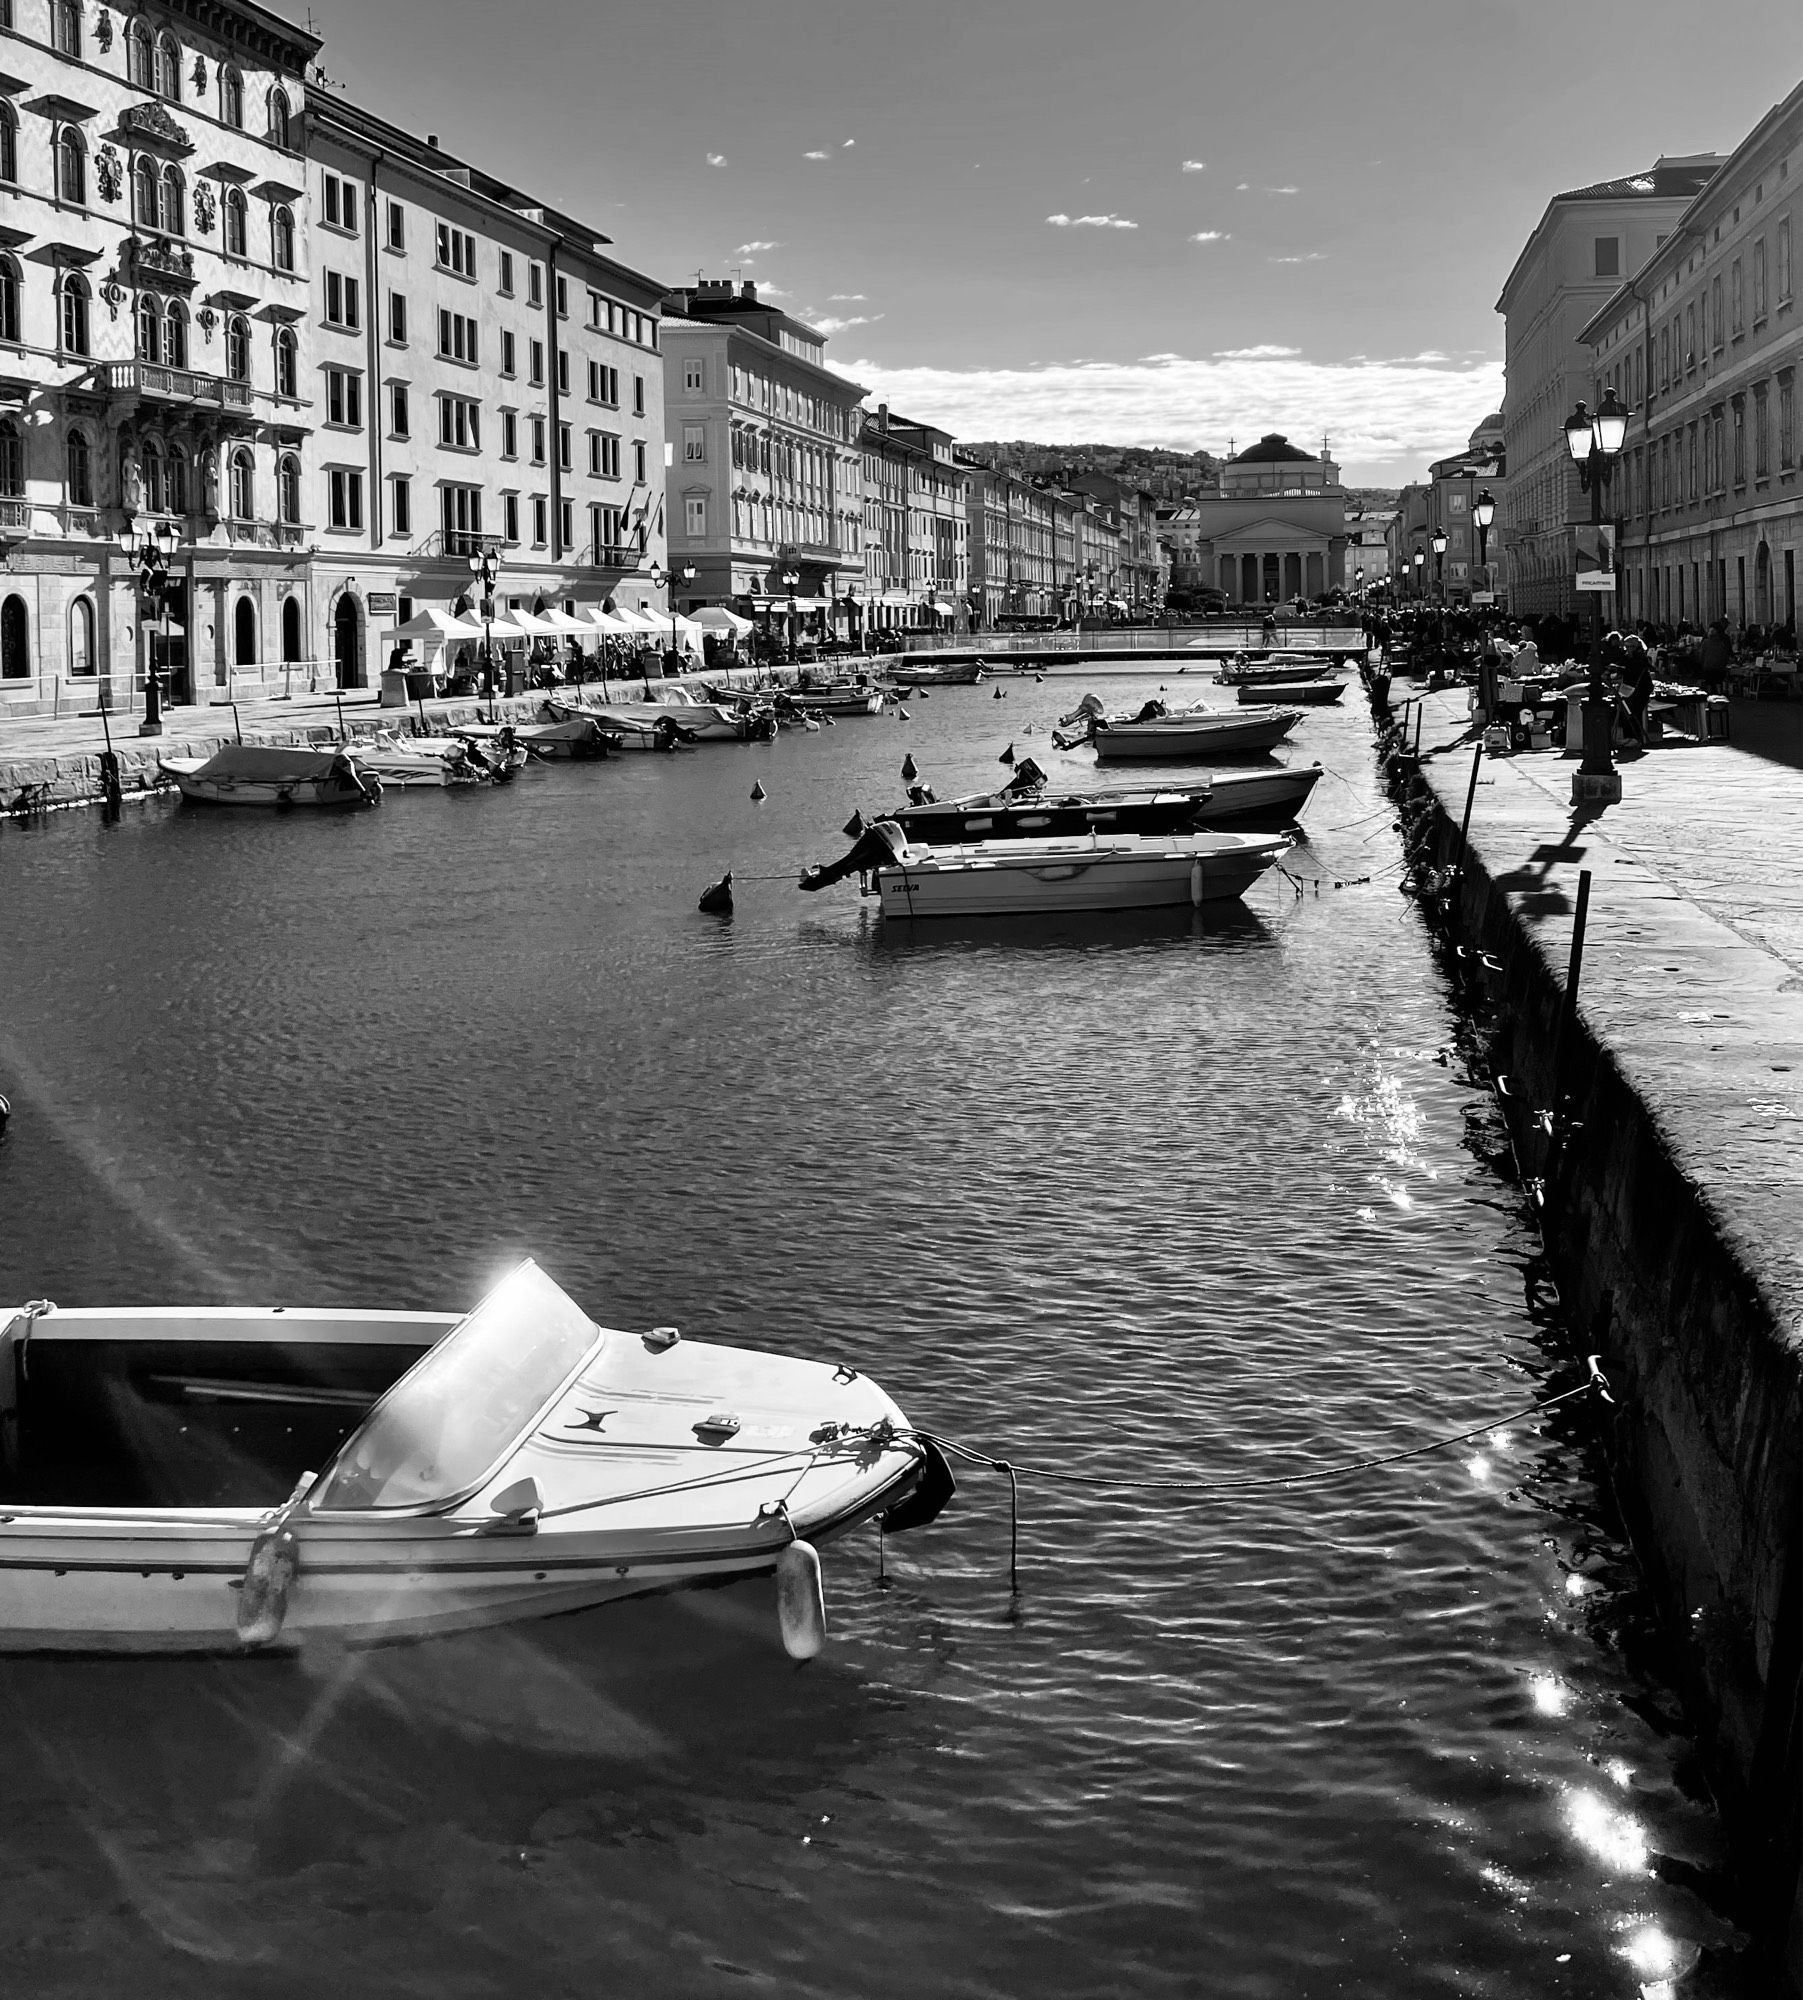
(1151, 1198)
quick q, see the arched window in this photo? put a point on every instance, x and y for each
(244, 489)
(9, 143)
(237, 348)
(178, 479)
(281, 238)
(74, 313)
(169, 68)
(236, 232)
(81, 638)
(287, 490)
(173, 214)
(144, 191)
(71, 168)
(278, 118)
(231, 97)
(12, 461)
(244, 632)
(287, 363)
(175, 335)
(291, 628)
(15, 640)
(140, 62)
(9, 299)
(150, 328)
(156, 492)
(81, 470)
(65, 26)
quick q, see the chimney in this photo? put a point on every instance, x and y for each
(432, 140)
(749, 292)
(882, 418)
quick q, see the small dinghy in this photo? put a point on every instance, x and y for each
(1029, 810)
(563, 733)
(1277, 668)
(411, 761)
(1159, 731)
(275, 775)
(989, 878)
(190, 1480)
(1312, 694)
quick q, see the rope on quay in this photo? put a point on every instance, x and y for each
(1595, 1382)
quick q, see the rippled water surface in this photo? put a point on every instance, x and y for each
(1151, 1197)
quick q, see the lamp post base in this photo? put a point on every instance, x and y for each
(1595, 788)
(151, 728)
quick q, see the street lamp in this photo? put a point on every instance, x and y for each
(1483, 512)
(486, 568)
(1595, 442)
(1420, 565)
(1439, 541)
(791, 581)
(660, 578)
(151, 554)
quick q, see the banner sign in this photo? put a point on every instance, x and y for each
(1596, 557)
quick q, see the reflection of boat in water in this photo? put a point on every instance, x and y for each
(1029, 810)
(1223, 926)
(1006, 877)
(512, 1463)
(274, 775)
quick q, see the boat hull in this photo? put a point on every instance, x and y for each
(1311, 693)
(1020, 878)
(1227, 798)
(1221, 734)
(325, 795)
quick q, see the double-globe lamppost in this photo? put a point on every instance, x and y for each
(661, 577)
(151, 553)
(791, 583)
(1595, 441)
(485, 566)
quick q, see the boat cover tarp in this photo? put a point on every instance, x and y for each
(269, 763)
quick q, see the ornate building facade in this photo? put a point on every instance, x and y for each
(152, 288)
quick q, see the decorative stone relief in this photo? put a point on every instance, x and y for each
(109, 175)
(206, 207)
(200, 76)
(103, 29)
(206, 319)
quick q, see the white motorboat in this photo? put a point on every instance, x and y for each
(563, 732)
(986, 878)
(159, 1496)
(275, 775)
(409, 761)
(699, 721)
(1029, 808)
(1157, 731)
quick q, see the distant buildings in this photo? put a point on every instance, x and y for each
(916, 524)
(1704, 343)
(1469, 568)
(1274, 530)
(1586, 243)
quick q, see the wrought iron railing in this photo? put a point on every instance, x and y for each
(609, 555)
(455, 542)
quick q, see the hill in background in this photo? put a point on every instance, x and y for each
(1168, 475)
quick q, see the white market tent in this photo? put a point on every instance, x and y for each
(433, 625)
(717, 618)
(559, 621)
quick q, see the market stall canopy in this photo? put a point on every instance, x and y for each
(534, 624)
(559, 620)
(637, 621)
(432, 624)
(716, 618)
(594, 619)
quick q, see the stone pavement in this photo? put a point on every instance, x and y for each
(1692, 977)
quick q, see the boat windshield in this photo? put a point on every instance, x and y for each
(439, 1431)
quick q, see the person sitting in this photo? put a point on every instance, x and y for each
(1637, 684)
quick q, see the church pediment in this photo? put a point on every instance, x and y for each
(1271, 531)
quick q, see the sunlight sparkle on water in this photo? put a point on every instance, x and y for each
(1551, 1696)
(1613, 1838)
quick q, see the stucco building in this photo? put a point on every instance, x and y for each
(153, 209)
(1276, 528)
(1586, 243)
(1704, 344)
(766, 472)
(485, 376)
(917, 570)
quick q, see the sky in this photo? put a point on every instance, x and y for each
(1116, 221)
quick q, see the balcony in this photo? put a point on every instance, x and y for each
(265, 534)
(456, 544)
(157, 261)
(15, 517)
(172, 385)
(609, 555)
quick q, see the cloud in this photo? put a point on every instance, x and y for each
(1090, 222)
(814, 156)
(1195, 166)
(848, 142)
(1254, 353)
(848, 298)
(769, 291)
(1212, 236)
(1302, 257)
(831, 325)
(716, 159)
(1241, 187)
(1385, 417)
(754, 246)
(1282, 190)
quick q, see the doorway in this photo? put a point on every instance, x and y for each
(291, 631)
(347, 641)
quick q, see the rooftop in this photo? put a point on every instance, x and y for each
(1272, 449)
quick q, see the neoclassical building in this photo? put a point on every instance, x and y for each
(1276, 527)
(154, 276)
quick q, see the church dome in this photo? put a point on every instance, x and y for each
(1273, 449)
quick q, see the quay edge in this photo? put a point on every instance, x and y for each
(1673, 1228)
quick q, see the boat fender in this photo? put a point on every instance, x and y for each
(268, 1577)
(716, 898)
(910, 770)
(1197, 883)
(800, 1600)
